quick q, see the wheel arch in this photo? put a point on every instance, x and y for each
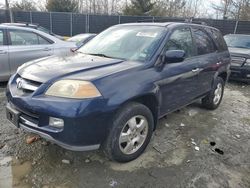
(149, 100)
(224, 76)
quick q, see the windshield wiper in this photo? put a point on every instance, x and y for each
(101, 55)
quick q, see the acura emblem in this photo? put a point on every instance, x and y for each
(19, 83)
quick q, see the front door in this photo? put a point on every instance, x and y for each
(179, 80)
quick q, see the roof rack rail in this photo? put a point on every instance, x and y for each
(27, 23)
(191, 20)
(186, 20)
(153, 19)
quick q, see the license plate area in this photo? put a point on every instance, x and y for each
(12, 115)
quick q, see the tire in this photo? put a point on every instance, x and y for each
(121, 139)
(211, 101)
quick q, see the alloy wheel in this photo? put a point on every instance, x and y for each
(217, 94)
(133, 135)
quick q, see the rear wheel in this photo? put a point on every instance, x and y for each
(213, 99)
(130, 134)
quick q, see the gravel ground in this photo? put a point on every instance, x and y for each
(192, 147)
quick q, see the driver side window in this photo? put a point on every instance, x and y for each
(181, 39)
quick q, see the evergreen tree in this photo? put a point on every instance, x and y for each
(62, 6)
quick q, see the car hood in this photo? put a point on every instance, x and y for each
(76, 66)
(240, 52)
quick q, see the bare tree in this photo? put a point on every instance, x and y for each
(234, 9)
(224, 7)
(240, 10)
(24, 5)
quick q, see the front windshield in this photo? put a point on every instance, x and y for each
(78, 38)
(136, 43)
(238, 41)
(43, 29)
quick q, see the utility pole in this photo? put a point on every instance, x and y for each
(7, 7)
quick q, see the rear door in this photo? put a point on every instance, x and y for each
(25, 46)
(4, 61)
(207, 57)
(179, 80)
(222, 49)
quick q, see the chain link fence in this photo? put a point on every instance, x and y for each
(69, 24)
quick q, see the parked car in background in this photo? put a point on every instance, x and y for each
(239, 48)
(81, 39)
(21, 44)
(38, 27)
(112, 91)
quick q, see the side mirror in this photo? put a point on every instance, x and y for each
(174, 56)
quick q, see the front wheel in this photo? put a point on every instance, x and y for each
(213, 99)
(130, 134)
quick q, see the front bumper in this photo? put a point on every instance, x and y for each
(240, 73)
(63, 145)
(86, 122)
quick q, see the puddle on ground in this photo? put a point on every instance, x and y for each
(12, 173)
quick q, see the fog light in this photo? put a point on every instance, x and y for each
(56, 122)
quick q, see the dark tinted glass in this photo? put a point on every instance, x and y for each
(181, 39)
(218, 38)
(203, 42)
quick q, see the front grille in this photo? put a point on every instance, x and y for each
(28, 115)
(27, 86)
(238, 61)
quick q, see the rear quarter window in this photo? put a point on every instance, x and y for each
(218, 39)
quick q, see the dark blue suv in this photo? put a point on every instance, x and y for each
(112, 91)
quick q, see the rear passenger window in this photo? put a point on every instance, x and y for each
(203, 42)
(1, 37)
(220, 42)
(181, 39)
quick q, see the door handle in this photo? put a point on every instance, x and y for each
(196, 70)
(47, 49)
(2, 52)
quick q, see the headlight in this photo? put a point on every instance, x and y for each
(247, 62)
(74, 89)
